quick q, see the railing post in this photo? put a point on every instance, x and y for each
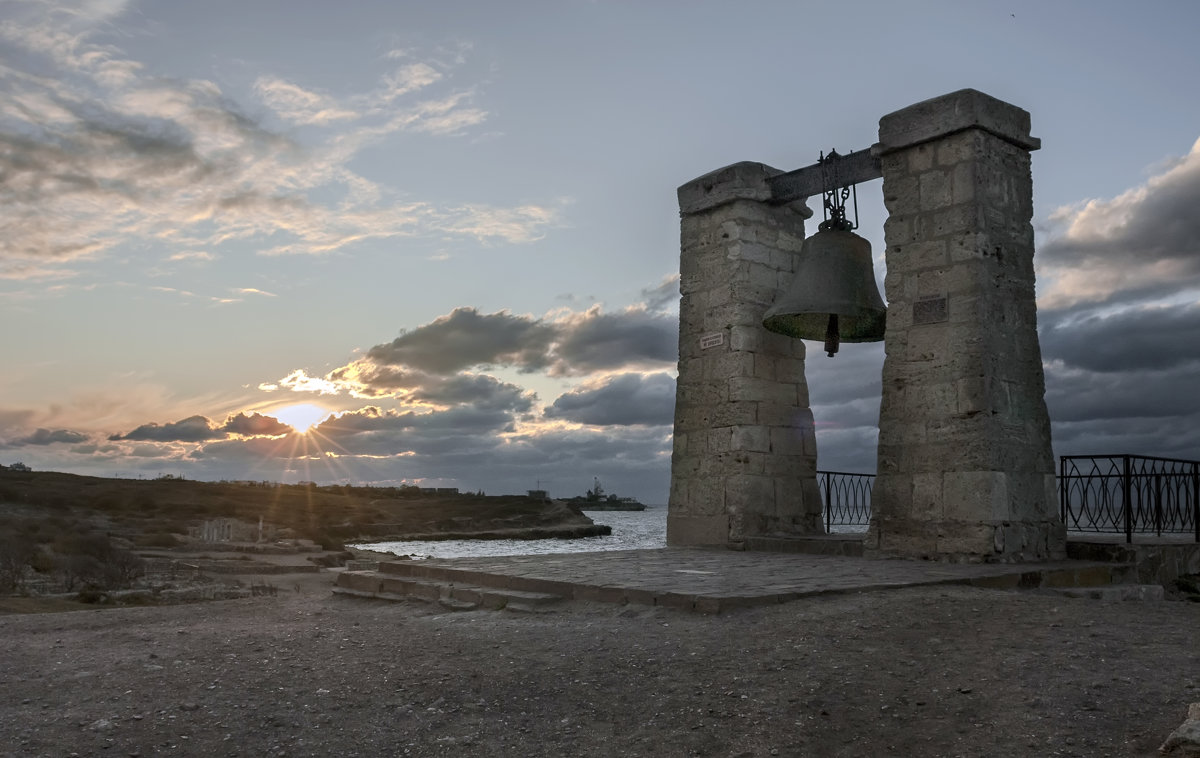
(1125, 494)
(1158, 503)
(1196, 499)
(828, 504)
(1062, 488)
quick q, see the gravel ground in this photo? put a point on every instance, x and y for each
(918, 672)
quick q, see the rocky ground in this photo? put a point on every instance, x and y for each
(920, 672)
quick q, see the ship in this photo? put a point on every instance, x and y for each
(596, 500)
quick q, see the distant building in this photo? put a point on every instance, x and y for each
(539, 494)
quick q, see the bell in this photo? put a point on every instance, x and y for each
(833, 297)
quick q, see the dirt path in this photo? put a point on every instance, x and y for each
(919, 672)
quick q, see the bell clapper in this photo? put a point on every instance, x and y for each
(832, 341)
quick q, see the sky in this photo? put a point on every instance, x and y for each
(445, 234)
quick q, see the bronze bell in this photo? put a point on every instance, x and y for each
(833, 297)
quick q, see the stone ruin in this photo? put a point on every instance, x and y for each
(965, 469)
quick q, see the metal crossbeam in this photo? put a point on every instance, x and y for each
(819, 178)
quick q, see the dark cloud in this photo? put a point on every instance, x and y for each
(201, 429)
(468, 338)
(255, 424)
(1132, 340)
(663, 296)
(596, 341)
(1143, 244)
(622, 400)
(427, 364)
(460, 419)
(1076, 394)
(191, 429)
(479, 390)
(1165, 436)
(372, 380)
(48, 437)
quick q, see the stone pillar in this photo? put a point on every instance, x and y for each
(744, 461)
(965, 466)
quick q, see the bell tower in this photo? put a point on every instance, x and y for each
(965, 470)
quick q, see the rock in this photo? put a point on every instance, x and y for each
(1185, 741)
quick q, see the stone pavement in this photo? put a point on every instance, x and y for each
(712, 580)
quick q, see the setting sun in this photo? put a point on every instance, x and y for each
(302, 416)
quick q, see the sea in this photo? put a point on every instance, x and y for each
(631, 530)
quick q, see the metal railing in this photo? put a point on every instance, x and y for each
(1129, 493)
(846, 498)
(1112, 494)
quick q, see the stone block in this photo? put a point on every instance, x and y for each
(750, 493)
(719, 366)
(366, 581)
(935, 190)
(788, 440)
(945, 115)
(719, 440)
(732, 414)
(740, 181)
(902, 538)
(967, 539)
(973, 394)
(891, 494)
(901, 194)
(960, 148)
(927, 497)
(920, 159)
(964, 218)
(757, 438)
(704, 497)
(962, 180)
(759, 390)
(976, 496)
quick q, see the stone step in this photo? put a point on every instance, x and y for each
(820, 544)
(455, 596)
(1117, 592)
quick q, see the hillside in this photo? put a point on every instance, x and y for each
(144, 511)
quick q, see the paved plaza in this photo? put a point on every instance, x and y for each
(717, 579)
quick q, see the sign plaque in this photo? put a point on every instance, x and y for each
(716, 339)
(930, 310)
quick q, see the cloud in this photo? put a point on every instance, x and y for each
(1143, 244)
(428, 364)
(664, 296)
(255, 424)
(596, 341)
(466, 338)
(621, 400)
(201, 429)
(479, 390)
(297, 104)
(97, 153)
(1148, 337)
(191, 429)
(48, 437)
